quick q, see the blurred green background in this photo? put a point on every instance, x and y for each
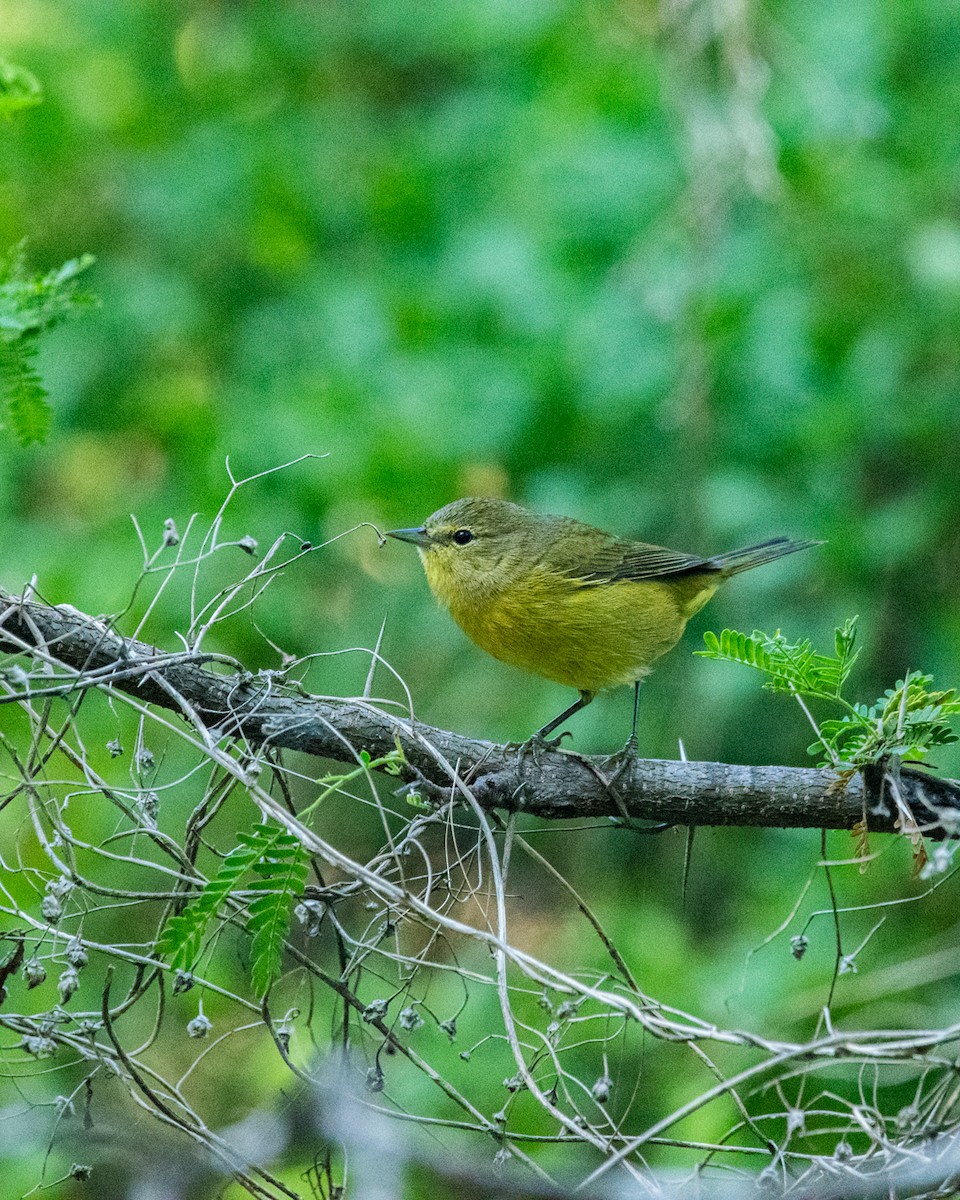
(689, 271)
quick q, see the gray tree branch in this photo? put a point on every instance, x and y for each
(81, 652)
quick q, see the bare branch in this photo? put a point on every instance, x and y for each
(263, 710)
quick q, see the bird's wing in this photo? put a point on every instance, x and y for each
(619, 559)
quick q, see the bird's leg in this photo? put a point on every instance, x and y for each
(539, 740)
(621, 760)
(541, 734)
(628, 755)
(632, 744)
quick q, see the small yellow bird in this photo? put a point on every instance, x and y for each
(565, 600)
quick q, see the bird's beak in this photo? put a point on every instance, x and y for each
(418, 536)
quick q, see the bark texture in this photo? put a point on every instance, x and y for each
(87, 653)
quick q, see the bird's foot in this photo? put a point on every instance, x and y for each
(621, 763)
(623, 760)
(535, 745)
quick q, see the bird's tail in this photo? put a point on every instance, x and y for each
(749, 557)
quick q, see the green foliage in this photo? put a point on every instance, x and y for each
(280, 872)
(18, 89)
(26, 399)
(908, 720)
(789, 667)
(29, 305)
(390, 763)
(276, 860)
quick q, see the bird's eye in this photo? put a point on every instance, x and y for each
(462, 536)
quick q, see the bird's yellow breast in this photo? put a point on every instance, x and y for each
(588, 636)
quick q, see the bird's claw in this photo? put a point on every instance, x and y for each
(624, 759)
(535, 745)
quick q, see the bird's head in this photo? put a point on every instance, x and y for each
(472, 546)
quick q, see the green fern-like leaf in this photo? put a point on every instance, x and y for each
(912, 720)
(906, 724)
(731, 646)
(24, 396)
(33, 303)
(276, 860)
(183, 934)
(907, 721)
(847, 654)
(30, 304)
(793, 667)
(281, 876)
